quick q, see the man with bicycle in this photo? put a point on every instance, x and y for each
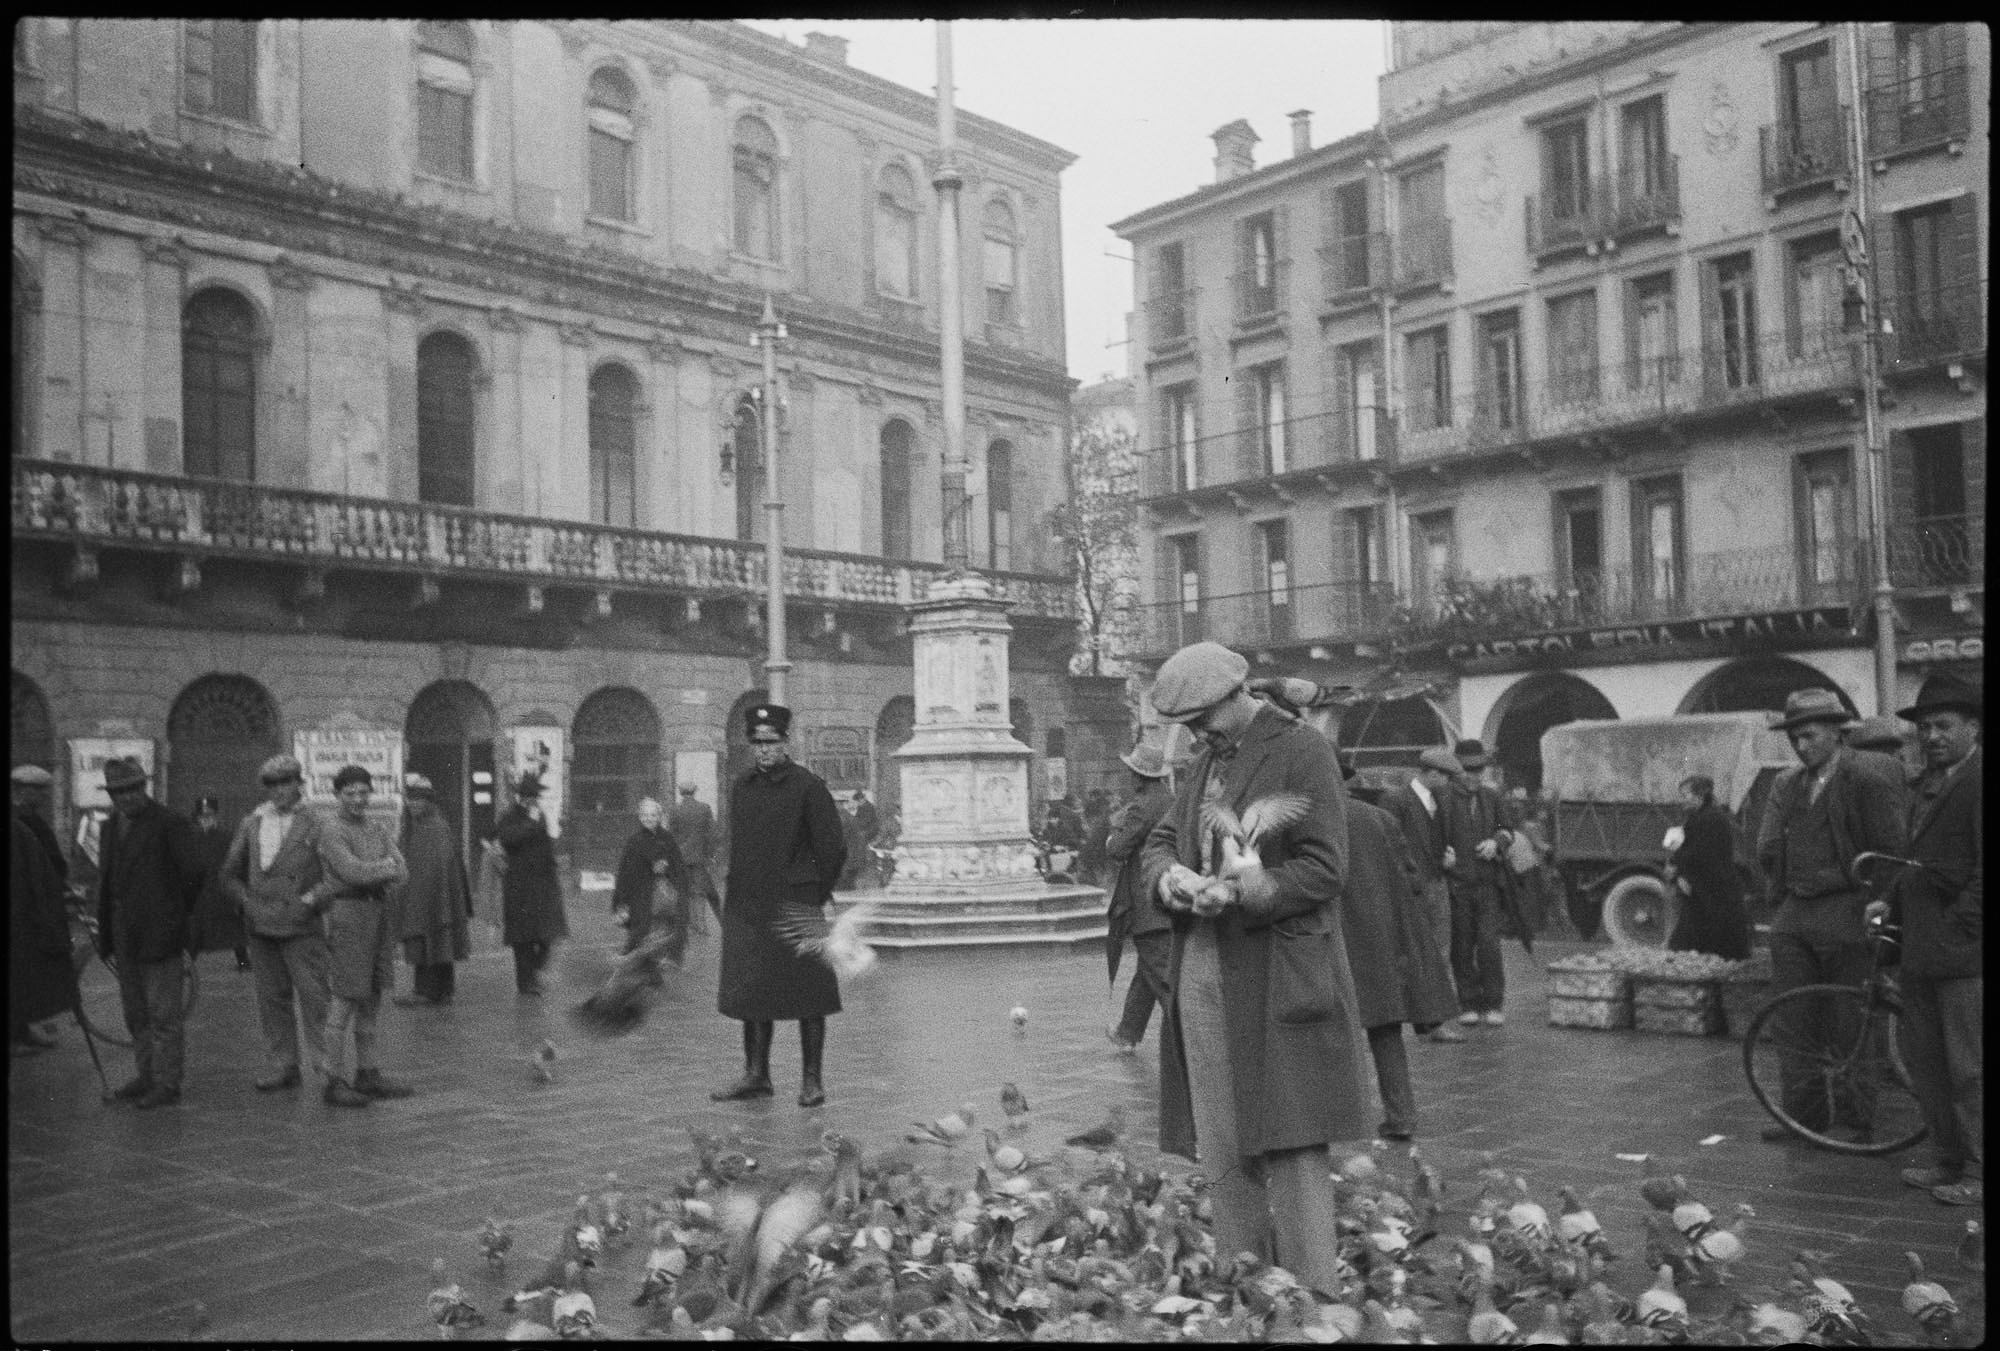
(150, 869)
(1822, 813)
(1939, 900)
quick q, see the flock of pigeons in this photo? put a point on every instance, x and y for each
(1091, 1244)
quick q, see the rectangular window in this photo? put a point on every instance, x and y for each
(1170, 293)
(1431, 557)
(1500, 385)
(1566, 169)
(1423, 242)
(1428, 370)
(1366, 562)
(1274, 539)
(1269, 383)
(1361, 399)
(1735, 336)
(1921, 261)
(1258, 284)
(1812, 302)
(1809, 133)
(1651, 337)
(1643, 149)
(1187, 587)
(895, 251)
(1925, 61)
(1178, 414)
(444, 132)
(1573, 348)
(221, 67)
(1351, 236)
(610, 176)
(1937, 547)
(1001, 305)
(1659, 550)
(1825, 489)
(1580, 552)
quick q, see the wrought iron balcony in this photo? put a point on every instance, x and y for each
(1351, 435)
(1423, 253)
(1935, 325)
(1260, 292)
(1354, 265)
(1334, 612)
(1929, 109)
(1649, 202)
(93, 507)
(1938, 552)
(1170, 319)
(1803, 152)
(1578, 220)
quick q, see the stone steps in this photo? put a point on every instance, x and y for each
(1040, 917)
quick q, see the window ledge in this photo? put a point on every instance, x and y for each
(227, 122)
(738, 256)
(455, 184)
(623, 227)
(1952, 143)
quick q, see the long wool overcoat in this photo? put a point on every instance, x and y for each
(531, 900)
(434, 907)
(40, 980)
(1399, 971)
(1300, 1073)
(786, 847)
(150, 872)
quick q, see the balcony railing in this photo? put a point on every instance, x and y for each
(92, 506)
(1646, 205)
(1936, 325)
(1803, 152)
(1938, 551)
(1169, 318)
(1260, 292)
(1329, 612)
(1423, 253)
(1351, 435)
(1354, 265)
(1574, 221)
(1923, 110)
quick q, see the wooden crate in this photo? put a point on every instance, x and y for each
(1689, 1008)
(1604, 1015)
(1588, 982)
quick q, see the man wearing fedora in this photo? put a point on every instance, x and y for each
(1420, 806)
(149, 872)
(272, 864)
(1821, 813)
(1940, 904)
(1880, 736)
(1133, 913)
(1261, 1048)
(531, 900)
(1477, 832)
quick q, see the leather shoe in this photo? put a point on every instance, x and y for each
(285, 1078)
(1388, 1132)
(137, 1088)
(1925, 1179)
(158, 1096)
(749, 1086)
(1446, 1032)
(413, 1001)
(35, 1037)
(811, 1092)
(340, 1095)
(376, 1085)
(1470, 1017)
(1970, 1192)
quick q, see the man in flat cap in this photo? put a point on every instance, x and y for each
(786, 852)
(362, 867)
(1261, 1052)
(1941, 906)
(149, 870)
(1821, 813)
(271, 867)
(434, 908)
(1478, 829)
(531, 900)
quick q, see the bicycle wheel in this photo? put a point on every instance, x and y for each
(1838, 1048)
(100, 1007)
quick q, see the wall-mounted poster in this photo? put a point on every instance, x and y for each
(541, 749)
(86, 767)
(325, 750)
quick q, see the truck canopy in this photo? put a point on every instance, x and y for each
(1645, 759)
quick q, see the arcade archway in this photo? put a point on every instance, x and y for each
(1757, 683)
(1529, 708)
(449, 732)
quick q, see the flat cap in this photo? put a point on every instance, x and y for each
(1196, 677)
(1876, 734)
(417, 784)
(31, 776)
(280, 769)
(1440, 759)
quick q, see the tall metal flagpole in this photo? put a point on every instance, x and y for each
(951, 308)
(1876, 456)
(769, 334)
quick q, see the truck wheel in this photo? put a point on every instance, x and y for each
(1641, 912)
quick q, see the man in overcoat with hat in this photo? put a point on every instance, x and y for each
(1421, 806)
(149, 871)
(1940, 904)
(434, 907)
(786, 852)
(1261, 1052)
(531, 900)
(1821, 813)
(1133, 912)
(1478, 829)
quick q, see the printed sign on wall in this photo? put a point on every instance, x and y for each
(540, 749)
(323, 751)
(86, 767)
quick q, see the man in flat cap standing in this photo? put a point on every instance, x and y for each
(362, 867)
(1941, 905)
(150, 869)
(272, 864)
(1821, 813)
(1133, 911)
(786, 852)
(1261, 1052)
(1420, 807)
(1477, 832)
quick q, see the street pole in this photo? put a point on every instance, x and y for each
(1876, 459)
(768, 335)
(951, 307)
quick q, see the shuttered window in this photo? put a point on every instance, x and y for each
(219, 386)
(219, 67)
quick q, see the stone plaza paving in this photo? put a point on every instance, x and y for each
(253, 1217)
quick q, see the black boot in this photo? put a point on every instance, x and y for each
(812, 1044)
(756, 1080)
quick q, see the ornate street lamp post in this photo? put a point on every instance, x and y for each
(768, 335)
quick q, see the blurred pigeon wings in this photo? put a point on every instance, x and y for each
(837, 942)
(1243, 836)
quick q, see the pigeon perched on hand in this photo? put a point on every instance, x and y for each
(946, 1130)
(1105, 1133)
(1240, 838)
(837, 942)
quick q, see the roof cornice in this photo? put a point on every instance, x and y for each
(1356, 147)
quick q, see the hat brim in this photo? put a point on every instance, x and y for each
(1141, 770)
(1834, 716)
(1917, 712)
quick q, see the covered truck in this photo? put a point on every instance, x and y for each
(1616, 787)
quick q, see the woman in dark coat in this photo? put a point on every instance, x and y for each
(652, 860)
(40, 980)
(531, 903)
(786, 849)
(1704, 868)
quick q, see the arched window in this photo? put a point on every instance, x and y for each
(220, 730)
(896, 233)
(444, 99)
(756, 189)
(749, 452)
(449, 730)
(1002, 265)
(617, 762)
(1000, 505)
(219, 386)
(894, 727)
(611, 134)
(614, 397)
(445, 368)
(219, 67)
(897, 448)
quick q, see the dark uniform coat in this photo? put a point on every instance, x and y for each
(1943, 918)
(531, 901)
(1399, 971)
(1297, 1055)
(786, 847)
(1713, 919)
(632, 888)
(150, 868)
(218, 919)
(433, 913)
(41, 982)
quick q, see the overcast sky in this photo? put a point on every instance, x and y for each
(1135, 101)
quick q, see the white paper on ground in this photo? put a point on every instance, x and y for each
(1714, 1139)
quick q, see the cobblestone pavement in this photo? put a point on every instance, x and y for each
(273, 1217)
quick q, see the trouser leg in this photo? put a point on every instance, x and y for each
(167, 1013)
(367, 1013)
(1236, 1184)
(305, 959)
(1392, 1078)
(1486, 956)
(1793, 964)
(673, 914)
(431, 980)
(138, 1017)
(1304, 1217)
(275, 1016)
(1924, 1054)
(340, 1063)
(1964, 1005)
(1437, 909)
(1465, 949)
(1138, 1010)
(1848, 964)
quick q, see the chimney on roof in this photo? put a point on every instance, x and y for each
(1234, 155)
(1302, 131)
(827, 48)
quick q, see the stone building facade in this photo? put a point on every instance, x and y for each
(1540, 400)
(403, 372)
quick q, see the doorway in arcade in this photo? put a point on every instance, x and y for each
(1529, 708)
(449, 738)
